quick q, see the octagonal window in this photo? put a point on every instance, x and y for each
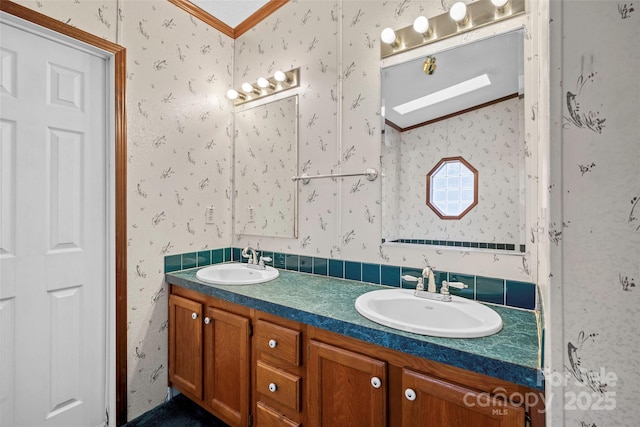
(452, 188)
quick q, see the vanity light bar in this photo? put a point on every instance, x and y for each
(279, 82)
(478, 13)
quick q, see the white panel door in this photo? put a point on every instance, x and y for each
(53, 232)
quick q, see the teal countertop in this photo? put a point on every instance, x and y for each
(328, 303)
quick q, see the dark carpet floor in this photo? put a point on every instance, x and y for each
(177, 412)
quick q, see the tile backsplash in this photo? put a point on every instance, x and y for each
(485, 289)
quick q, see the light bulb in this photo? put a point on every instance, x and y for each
(232, 94)
(499, 3)
(388, 36)
(421, 24)
(280, 76)
(458, 11)
(263, 83)
(247, 87)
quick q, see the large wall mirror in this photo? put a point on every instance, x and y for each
(468, 102)
(266, 157)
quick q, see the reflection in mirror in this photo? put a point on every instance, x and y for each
(429, 117)
(452, 188)
(266, 157)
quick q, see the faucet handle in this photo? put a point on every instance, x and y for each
(409, 278)
(444, 290)
(264, 259)
(458, 285)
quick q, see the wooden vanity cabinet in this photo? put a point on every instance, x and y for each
(290, 374)
(185, 345)
(345, 388)
(210, 354)
(279, 371)
(413, 391)
(434, 402)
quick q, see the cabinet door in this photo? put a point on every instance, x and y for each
(432, 402)
(345, 388)
(185, 345)
(227, 364)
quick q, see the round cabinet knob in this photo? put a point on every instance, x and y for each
(194, 316)
(273, 343)
(207, 320)
(410, 394)
(375, 382)
(273, 387)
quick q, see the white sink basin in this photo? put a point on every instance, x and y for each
(236, 274)
(400, 309)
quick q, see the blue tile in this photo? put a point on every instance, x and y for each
(336, 268)
(291, 262)
(353, 270)
(439, 276)
(489, 289)
(278, 260)
(227, 254)
(468, 280)
(415, 272)
(390, 275)
(172, 263)
(371, 273)
(189, 260)
(204, 258)
(217, 256)
(320, 266)
(306, 264)
(237, 255)
(521, 294)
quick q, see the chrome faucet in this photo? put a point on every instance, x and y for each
(430, 293)
(254, 262)
(253, 257)
(427, 273)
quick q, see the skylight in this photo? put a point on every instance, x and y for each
(444, 94)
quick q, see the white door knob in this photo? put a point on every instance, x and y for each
(410, 394)
(273, 343)
(194, 316)
(375, 382)
(273, 387)
(207, 320)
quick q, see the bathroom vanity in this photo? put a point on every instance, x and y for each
(294, 352)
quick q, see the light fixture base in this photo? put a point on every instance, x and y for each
(479, 14)
(292, 81)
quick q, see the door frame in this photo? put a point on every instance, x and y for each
(115, 55)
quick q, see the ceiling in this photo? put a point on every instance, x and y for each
(500, 57)
(231, 12)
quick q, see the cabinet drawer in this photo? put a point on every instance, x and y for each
(267, 417)
(278, 341)
(278, 385)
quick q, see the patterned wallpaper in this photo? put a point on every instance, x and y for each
(593, 298)
(179, 133)
(265, 159)
(302, 34)
(336, 44)
(180, 151)
(490, 140)
(179, 158)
